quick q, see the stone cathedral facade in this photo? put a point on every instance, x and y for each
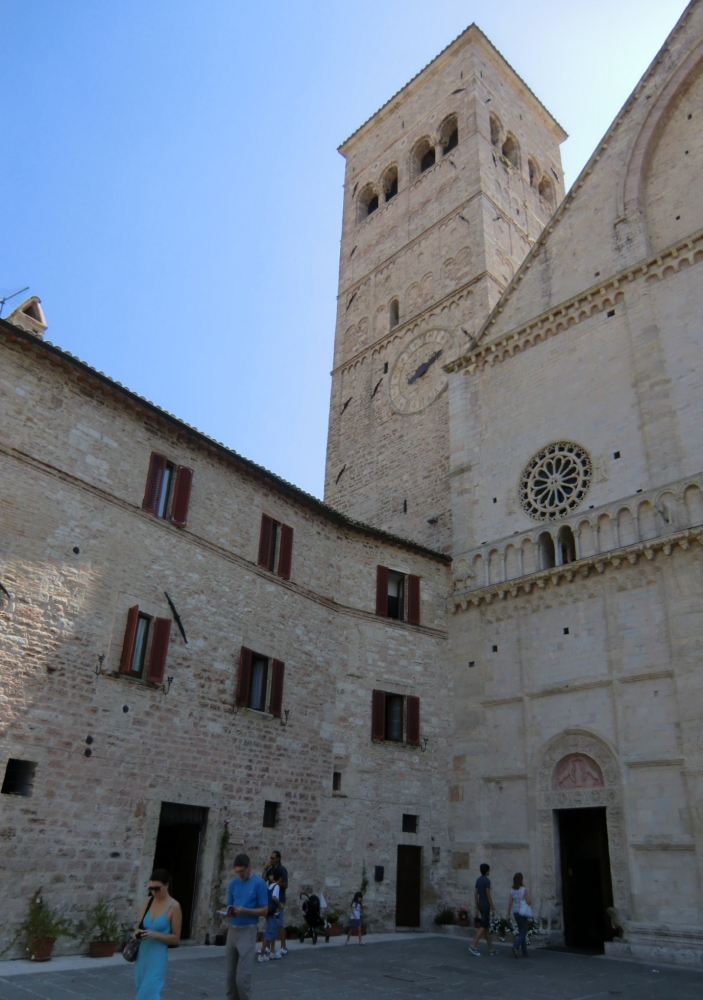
(485, 645)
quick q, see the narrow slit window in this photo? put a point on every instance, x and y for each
(165, 491)
(270, 812)
(337, 781)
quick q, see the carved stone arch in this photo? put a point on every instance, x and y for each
(584, 744)
(630, 196)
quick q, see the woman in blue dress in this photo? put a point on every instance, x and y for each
(157, 929)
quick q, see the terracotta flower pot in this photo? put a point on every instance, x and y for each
(40, 948)
(463, 920)
(102, 949)
(335, 929)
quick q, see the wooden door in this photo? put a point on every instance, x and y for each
(408, 895)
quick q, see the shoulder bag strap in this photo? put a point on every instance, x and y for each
(148, 907)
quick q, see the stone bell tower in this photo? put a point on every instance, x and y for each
(446, 189)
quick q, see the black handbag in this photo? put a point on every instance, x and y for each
(131, 949)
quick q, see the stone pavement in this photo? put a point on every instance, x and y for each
(421, 966)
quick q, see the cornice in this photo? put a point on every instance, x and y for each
(588, 169)
(614, 559)
(601, 296)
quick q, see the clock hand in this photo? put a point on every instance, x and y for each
(419, 372)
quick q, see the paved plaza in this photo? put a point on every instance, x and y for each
(411, 966)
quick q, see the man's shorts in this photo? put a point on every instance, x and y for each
(271, 932)
(484, 913)
(279, 916)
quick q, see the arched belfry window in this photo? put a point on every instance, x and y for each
(394, 313)
(533, 170)
(449, 134)
(511, 150)
(423, 156)
(496, 131)
(547, 555)
(390, 183)
(368, 202)
(567, 545)
(546, 190)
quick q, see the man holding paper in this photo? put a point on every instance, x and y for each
(247, 900)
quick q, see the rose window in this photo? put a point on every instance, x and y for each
(555, 481)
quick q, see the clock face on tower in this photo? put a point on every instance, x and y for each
(417, 378)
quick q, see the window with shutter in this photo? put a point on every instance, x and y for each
(286, 554)
(414, 599)
(382, 591)
(413, 720)
(276, 700)
(159, 649)
(378, 715)
(266, 538)
(244, 679)
(181, 496)
(154, 482)
(129, 640)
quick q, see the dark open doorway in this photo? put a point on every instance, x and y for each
(585, 877)
(408, 894)
(181, 830)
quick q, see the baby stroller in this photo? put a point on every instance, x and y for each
(314, 919)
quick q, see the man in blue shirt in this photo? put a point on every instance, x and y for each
(483, 905)
(247, 900)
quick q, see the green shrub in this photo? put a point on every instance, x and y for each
(445, 917)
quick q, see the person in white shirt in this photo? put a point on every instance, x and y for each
(357, 908)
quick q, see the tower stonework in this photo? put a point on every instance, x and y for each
(446, 189)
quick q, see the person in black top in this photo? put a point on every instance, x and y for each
(280, 874)
(483, 905)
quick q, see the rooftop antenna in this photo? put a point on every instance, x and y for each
(5, 298)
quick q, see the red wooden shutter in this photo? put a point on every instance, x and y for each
(181, 496)
(154, 479)
(286, 553)
(378, 715)
(265, 541)
(159, 649)
(244, 679)
(414, 599)
(130, 634)
(413, 722)
(382, 591)
(276, 703)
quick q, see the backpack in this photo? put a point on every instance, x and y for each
(274, 905)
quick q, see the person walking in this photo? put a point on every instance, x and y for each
(520, 905)
(268, 945)
(280, 873)
(356, 909)
(483, 907)
(159, 926)
(247, 900)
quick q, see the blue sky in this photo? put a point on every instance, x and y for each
(170, 185)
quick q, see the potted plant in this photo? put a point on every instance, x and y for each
(335, 924)
(445, 917)
(103, 930)
(462, 916)
(41, 927)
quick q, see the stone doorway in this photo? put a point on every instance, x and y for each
(587, 889)
(181, 831)
(408, 894)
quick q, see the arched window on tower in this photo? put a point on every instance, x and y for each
(533, 171)
(368, 202)
(496, 131)
(390, 183)
(567, 545)
(394, 313)
(547, 555)
(449, 134)
(423, 156)
(511, 151)
(546, 190)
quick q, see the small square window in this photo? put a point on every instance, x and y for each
(337, 781)
(270, 810)
(616, 454)
(378, 873)
(472, 663)
(19, 777)
(566, 630)
(409, 823)
(495, 649)
(610, 313)
(495, 499)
